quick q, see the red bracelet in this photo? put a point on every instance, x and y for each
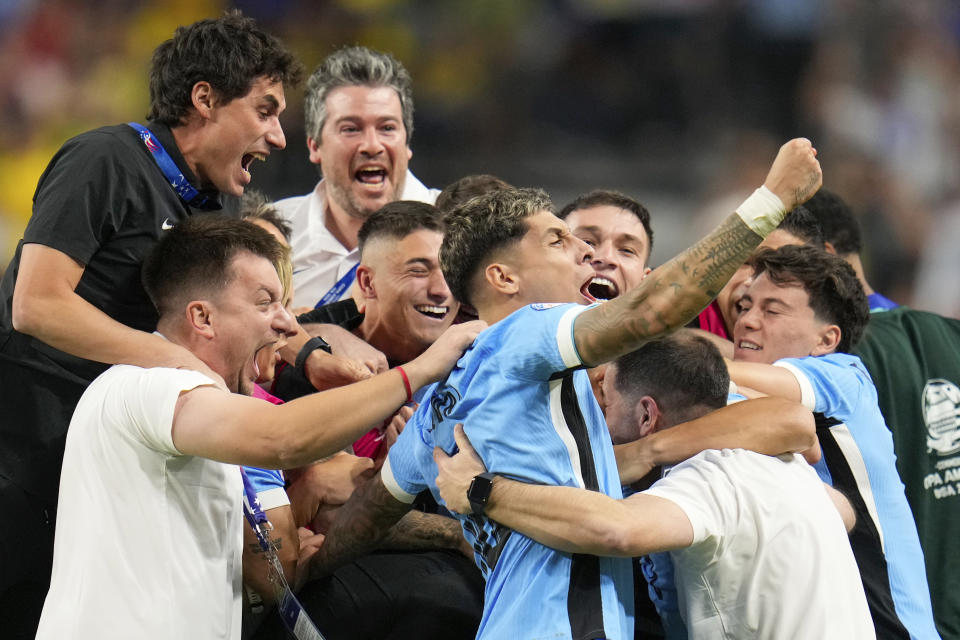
(406, 383)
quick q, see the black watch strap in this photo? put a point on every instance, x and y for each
(309, 347)
(479, 492)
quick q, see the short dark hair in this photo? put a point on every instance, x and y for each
(682, 371)
(351, 67)
(481, 226)
(606, 197)
(229, 52)
(193, 259)
(839, 224)
(467, 187)
(399, 219)
(254, 205)
(802, 224)
(836, 295)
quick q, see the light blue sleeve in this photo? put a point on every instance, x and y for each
(264, 479)
(537, 341)
(832, 384)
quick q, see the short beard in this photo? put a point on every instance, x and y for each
(351, 205)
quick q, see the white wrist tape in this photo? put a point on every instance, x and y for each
(762, 211)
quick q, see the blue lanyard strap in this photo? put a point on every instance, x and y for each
(291, 612)
(187, 192)
(254, 514)
(338, 289)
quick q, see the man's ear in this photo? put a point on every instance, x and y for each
(365, 282)
(199, 317)
(829, 248)
(502, 278)
(647, 415)
(827, 340)
(203, 99)
(314, 148)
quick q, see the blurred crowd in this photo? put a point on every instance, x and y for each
(657, 99)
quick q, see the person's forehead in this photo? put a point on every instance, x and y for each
(762, 287)
(607, 219)
(252, 272)
(355, 100)
(419, 243)
(542, 223)
(265, 89)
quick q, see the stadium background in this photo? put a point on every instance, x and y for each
(679, 103)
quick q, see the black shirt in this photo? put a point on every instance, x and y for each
(104, 202)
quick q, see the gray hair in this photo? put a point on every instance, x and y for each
(356, 66)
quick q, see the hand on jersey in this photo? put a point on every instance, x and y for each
(456, 472)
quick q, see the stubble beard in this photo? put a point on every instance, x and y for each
(350, 203)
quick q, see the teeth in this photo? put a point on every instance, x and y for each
(749, 345)
(602, 281)
(262, 157)
(427, 308)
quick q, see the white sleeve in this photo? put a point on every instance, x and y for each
(150, 399)
(703, 492)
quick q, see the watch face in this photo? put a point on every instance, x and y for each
(479, 492)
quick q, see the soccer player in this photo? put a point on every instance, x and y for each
(530, 412)
(800, 317)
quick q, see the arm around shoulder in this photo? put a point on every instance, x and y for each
(47, 307)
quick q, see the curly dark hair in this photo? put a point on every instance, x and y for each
(836, 295)
(229, 52)
(482, 225)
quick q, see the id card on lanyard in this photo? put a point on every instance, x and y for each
(339, 288)
(295, 619)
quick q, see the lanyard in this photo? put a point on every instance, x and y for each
(338, 289)
(174, 176)
(295, 619)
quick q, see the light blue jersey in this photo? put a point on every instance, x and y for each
(531, 416)
(858, 459)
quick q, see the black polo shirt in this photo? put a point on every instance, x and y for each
(104, 202)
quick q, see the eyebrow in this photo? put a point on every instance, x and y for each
(424, 261)
(267, 290)
(555, 231)
(271, 100)
(597, 230)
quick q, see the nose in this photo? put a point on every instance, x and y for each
(283, 322)
(437, 289)
(585, 250)
(370, 143)
(602, 254)
(274, 136)
(749, 318)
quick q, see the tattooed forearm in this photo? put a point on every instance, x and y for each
(668, 298)
(362, 522)
(418, 531)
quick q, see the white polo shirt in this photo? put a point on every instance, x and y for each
(319, 260)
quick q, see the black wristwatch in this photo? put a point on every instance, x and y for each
(309, 347)
(479, 492)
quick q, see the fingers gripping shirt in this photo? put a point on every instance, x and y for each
(533, 418)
